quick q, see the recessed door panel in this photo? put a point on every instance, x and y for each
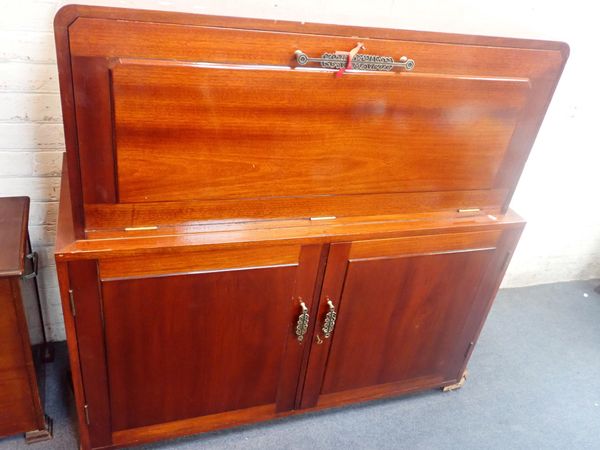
(407, 315)
(194, 345)
(215, 346)
(404, 314)
(199, 132)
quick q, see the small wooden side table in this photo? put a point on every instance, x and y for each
(22, 373)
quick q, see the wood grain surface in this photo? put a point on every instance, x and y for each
(164, 105)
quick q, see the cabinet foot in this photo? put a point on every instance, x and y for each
(458, 385)
(31, 437)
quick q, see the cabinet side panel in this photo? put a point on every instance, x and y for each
(62, 270)
(20, 294)
(487, 293)
(16, 408)
(89, 325)
(65, 76)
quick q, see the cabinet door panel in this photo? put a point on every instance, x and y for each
(194, 345)
(402, 313)
(187, 96)
(208, 149)
(400, 318)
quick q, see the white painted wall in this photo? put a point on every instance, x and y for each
(559, 193)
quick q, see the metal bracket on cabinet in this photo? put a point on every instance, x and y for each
(72, 302)
(33, 256)
(86, 413)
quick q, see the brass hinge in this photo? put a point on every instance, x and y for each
(323, 218)
(86, 412)
(153, 227)
(72, 302)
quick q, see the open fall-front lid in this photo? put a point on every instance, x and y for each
(177, 118)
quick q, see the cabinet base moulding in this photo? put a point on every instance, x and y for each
(199, 425)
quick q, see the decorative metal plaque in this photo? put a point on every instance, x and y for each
(359, 62)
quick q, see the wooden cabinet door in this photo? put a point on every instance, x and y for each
(190, 342)
(408, 312)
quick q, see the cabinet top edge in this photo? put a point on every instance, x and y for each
(68, 14)
(300, 232)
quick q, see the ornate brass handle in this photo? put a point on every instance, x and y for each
(302, 324)
(330, 317)
(360, 61)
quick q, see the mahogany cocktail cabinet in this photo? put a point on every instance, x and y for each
(261, 218)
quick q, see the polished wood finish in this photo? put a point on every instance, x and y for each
(209, 149)
(473, 106)
(105, 219)
(426, 244)
(18, 405)
(14, 216)
(160, 331)
(233, 257)
(62, 270)
(154, 377)
(21, 408)
(88, 314)
(211, 186)
(222, 235)
(400, 314)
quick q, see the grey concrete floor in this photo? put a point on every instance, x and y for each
(534, 384)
